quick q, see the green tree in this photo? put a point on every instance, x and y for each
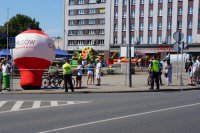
(16, 25)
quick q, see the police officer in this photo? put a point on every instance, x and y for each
(154, 68)
(67, 73)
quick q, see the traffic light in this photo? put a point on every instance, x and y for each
(98, 1)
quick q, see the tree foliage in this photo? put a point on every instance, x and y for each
(16, 25)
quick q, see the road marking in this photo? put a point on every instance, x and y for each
(2, 103)
(17, 106)
(121, 117)
(36, 104)
(54, 103)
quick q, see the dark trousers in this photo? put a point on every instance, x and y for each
(155, 77)
(68, 80)
(160, 78)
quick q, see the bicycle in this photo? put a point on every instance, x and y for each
(49, 81)
(59, 81)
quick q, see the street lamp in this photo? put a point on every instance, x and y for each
(129, 24)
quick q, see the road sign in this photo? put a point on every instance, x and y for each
(11, 43)
(178, 36)
(176, 47)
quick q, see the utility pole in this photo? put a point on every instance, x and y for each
(7, 33)
(129, 24)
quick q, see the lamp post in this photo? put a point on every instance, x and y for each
(129, 24)
(7, 32)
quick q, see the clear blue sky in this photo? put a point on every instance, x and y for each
(48, 12)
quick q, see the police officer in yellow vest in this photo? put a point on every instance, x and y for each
(67, 73)
(154, 68)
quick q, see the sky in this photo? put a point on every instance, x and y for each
(49, 13)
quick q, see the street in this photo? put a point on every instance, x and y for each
(143, 112)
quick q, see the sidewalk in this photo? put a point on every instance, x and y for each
(111, 84)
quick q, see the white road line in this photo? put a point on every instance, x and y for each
(121, 117)
(54, 103)
(36, 104)
(2, 103)
(17, 106)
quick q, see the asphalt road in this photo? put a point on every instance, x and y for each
(148, 112)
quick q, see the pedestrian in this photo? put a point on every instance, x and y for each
(190, 73)
(90, 73)
(67, 73)
(79, 75)
(160, 72)
(98, 71)
(6, 73)
(154, 68)
(168, 72)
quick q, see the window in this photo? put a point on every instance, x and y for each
(179, 24)
(132, 40)
(115, 27)
(81, 22)
(160, 12)
(141, 39)
(160, 1)
(141, 1)
(160, 26)
(141, 26)
(123, 40)
(80, 42)
(169, 12)
(102, 10)
(124, 27)
(190, 24)
(92, 1)
(71, 12)
(91, 32)
(91, 21)
(71, 2)
(81, 2)
(150, 26)
(101, 32)
(71, 22)
(92, 11)
(101, 42)
(151, 1)
(124, 2)
(81, 11)
(132, 14)
(180, 11)
(115, 40)
(132, 27)
(116, 15)
(116, 2)
(170, 1)
(71, 42)
(189, 38)
(190, 10)
(141, 13)
(151, 13)
(149, 39)
(132, 2)
(101, 21)
(159, 40)
(71, 32)
(169, 25)
(79, 32)
(124, 14)
(168, 39)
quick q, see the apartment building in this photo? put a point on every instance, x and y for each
(85, 25)
(152, 24)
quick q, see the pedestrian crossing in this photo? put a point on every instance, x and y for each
(11, 106)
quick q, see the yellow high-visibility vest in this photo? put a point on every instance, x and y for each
(67, 69)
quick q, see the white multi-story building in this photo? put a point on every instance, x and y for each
(152, 23)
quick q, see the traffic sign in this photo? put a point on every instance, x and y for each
(178, 36)
(176, 47)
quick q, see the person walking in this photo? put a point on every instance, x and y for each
(90, 73)
(79, 75)
(168, 72)
(67, 73)
(98, 71)
(160, 72)
(154, 68)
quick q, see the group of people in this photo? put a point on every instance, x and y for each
(82, 66)
(156, 70)
(192, 67)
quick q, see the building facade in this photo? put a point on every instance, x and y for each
(152, 23)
